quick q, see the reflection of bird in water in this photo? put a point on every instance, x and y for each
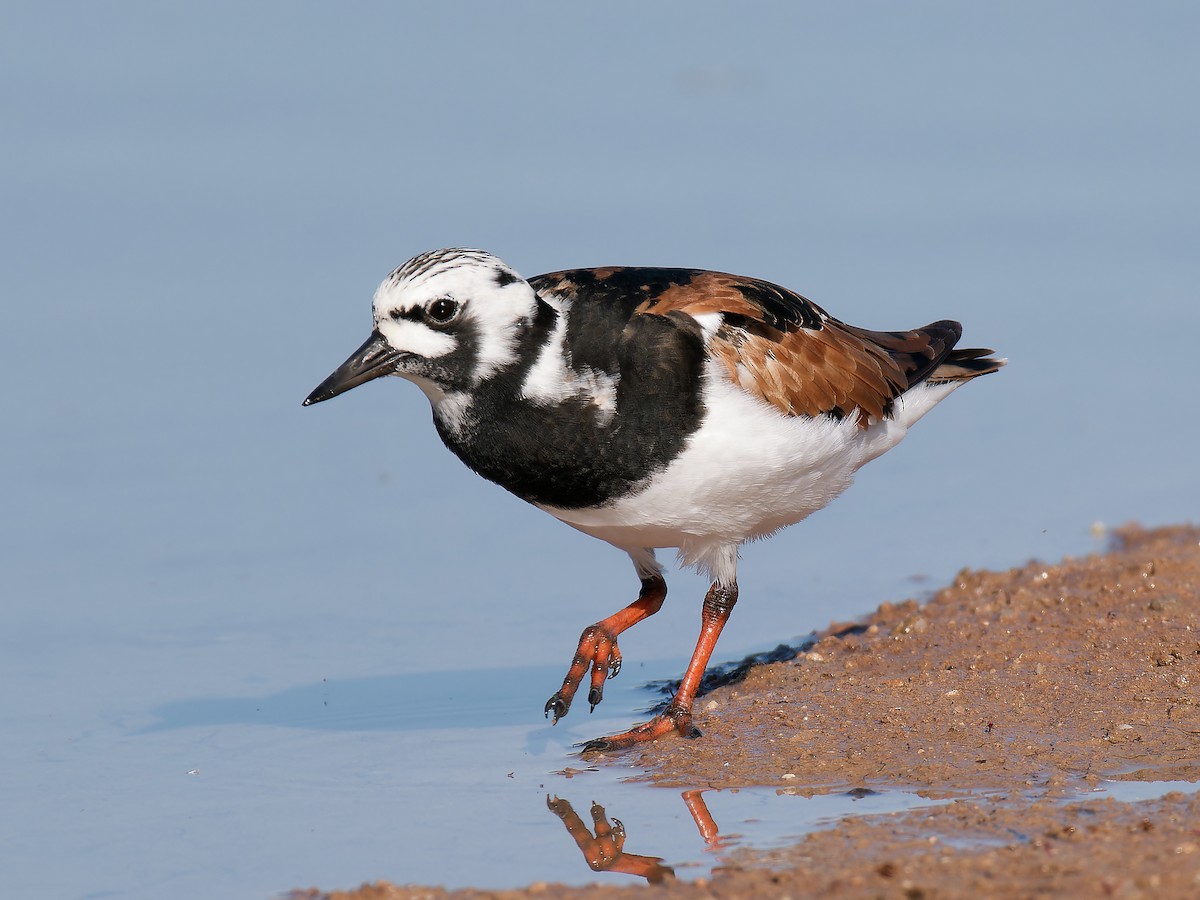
(694, 800)
(652, 408)
(604, 851)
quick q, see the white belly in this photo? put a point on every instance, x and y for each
(747, 472)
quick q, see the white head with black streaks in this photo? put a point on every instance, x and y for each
(446, 320)
(461, 308)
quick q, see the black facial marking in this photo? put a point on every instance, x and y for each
(416, 314)
(504, 278)
(456, 370)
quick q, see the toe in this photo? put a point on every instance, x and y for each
(558, 706)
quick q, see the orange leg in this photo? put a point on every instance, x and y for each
(694, 800)
(598, 648)
(718, 604)
(605, 851)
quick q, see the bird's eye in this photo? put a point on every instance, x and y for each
(443, 309)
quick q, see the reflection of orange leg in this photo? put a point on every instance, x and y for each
(598, 648)
(718, 604)
(605, 851)
(694, 800)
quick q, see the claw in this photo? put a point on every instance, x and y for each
(558, 706)
(597, 651)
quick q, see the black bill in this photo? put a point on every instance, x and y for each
(373, 359)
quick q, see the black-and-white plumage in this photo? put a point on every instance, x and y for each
(652, 408)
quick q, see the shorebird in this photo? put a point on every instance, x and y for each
(651, 408)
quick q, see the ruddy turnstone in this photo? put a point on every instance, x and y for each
(651, 408)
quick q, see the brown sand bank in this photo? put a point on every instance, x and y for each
(1029, 684)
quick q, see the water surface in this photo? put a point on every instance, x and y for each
(248, 647)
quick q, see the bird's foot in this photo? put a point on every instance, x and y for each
(673, 718)
(597, 650)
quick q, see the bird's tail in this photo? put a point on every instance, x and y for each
(963, 365)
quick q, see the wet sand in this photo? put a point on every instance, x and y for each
(1014, 692)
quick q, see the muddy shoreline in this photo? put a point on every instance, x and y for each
(1016, 691)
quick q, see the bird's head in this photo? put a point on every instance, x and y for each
(446, 320)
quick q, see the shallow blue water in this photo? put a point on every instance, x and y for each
(345, 635)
